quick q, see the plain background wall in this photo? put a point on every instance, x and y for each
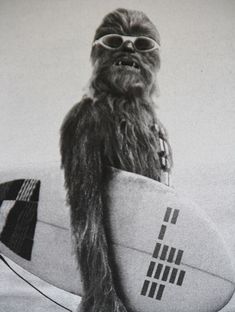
(44, 60)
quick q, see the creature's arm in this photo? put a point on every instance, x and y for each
(82, 160)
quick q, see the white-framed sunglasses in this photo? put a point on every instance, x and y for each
(115, 42)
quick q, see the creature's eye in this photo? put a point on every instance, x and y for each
(113, 41)
(144, 44)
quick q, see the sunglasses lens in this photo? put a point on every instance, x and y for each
(144, 44)
(112, 41)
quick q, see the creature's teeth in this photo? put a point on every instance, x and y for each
(126, 64)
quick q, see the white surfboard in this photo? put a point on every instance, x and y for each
(170, 256)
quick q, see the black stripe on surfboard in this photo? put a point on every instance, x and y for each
(175, 216)
(162, 232)
(167, 214)
(151, 268)
(145, 287)
(160, 292)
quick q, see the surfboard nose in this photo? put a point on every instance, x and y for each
(177, 260)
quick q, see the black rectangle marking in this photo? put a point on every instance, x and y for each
(162, 232)
(160, 292)
(151, 268)
(165, 273)
(179, 257)
(173, 275)
(167, 214)
(156, 250)
(152, 290)
(175, 216)
(171, 254)
(145, 288)
(158, 271)
(181, 278)
(164, 252)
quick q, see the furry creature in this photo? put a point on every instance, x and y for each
(114, 126)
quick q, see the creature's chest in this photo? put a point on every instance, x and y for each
(138, 147)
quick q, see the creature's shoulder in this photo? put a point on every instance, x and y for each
(79, 110)
(74, 122)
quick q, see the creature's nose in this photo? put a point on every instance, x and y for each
(128, 47)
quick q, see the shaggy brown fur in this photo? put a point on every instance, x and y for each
(113, 127)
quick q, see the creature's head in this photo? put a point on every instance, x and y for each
(125, 53)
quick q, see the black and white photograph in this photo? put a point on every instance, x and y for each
(117, 163)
